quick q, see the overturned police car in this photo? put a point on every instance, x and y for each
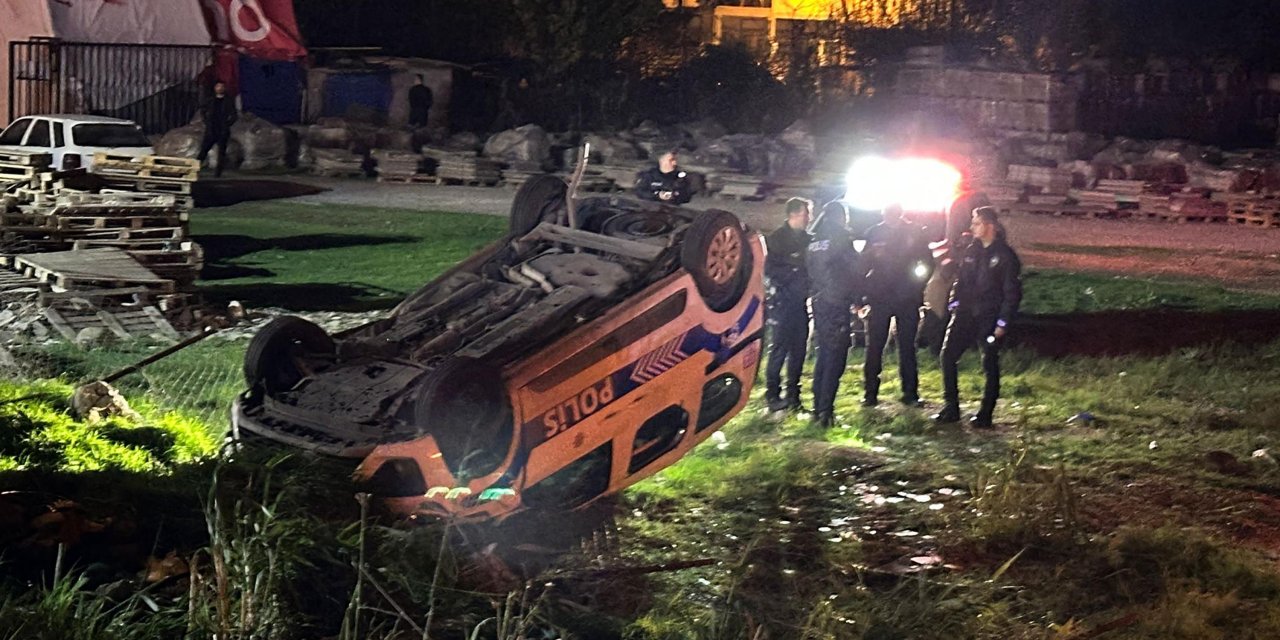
(594, 345)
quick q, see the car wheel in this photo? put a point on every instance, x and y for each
(463, 405)
(717, 255)
(277, 357)
(540, 199)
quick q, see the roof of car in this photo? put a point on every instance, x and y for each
(73, 118)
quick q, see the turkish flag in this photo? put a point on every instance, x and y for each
(263, 29)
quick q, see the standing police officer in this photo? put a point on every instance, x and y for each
(788, 304)
(983, 301)
(833, 267)
(665, 182)
(897, 263)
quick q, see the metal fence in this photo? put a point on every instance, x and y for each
(154, 85)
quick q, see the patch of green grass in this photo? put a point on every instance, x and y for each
(1057, 292)
(38, 432)
(331, 257)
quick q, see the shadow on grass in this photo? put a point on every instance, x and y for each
(226, 247)
(1144, 332)
(304, 297)
(224, 193)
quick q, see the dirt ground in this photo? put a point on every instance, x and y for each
(1242, 257)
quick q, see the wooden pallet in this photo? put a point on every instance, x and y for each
(413, 178)
(153, 184)
(446, 180)
(174, 162)
(1082, 210)
(69, 321)
(338, 173)
(170, 173)
(10, 281)
(103, 268)
(26, 158)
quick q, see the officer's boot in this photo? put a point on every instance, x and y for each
(871, 397)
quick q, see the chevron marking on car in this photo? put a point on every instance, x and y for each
(592, 399)
(658, 361)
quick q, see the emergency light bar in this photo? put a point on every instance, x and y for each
(918, 184)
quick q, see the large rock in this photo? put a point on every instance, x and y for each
(184, 142)
(528, 143)
(800, 136)
(265, 144)
(607, 148)
(703, 131)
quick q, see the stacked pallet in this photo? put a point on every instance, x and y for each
(594, 181)
(1252, 209)
(735, 186)
(149, 175)
(18, 169)
(1194, 207)
(624, 176)
(337, 163)
(473, 171)
(399, 166)
(1046, 179)
(517, 173)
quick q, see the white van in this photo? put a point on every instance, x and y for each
(73, 139)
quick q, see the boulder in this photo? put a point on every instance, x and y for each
(183, 142)
(394, 139)
(463, 141)
(265, 144)
(98, 400)
(703, 131)
(609, 148)
(528, 143)
(800, 136)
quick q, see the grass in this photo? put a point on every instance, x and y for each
(315, 257)
(1058, 292)
(1049, 528)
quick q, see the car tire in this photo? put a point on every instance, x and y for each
(463, 405)
(540, 199)
(274, 356)
(642, 226)
(715, 252)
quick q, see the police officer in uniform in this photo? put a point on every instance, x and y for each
(983, 302)
(833, 269)
(897, 263)
(788, 304)
(665, 182)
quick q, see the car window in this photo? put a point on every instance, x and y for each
(13, 134)
(39, 136)
(100, 134)
(59, 139)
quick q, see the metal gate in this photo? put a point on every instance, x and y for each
(154, 85)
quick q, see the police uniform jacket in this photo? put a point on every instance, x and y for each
(652, 181)
(897, 262)
(833, 269)
(989, 283)
(784, 265)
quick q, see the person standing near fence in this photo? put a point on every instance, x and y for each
(833, 270)
(983, 302)
(218, 114)
(788, 302)
(897, 264)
